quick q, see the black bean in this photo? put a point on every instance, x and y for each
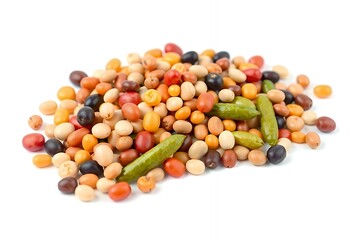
(212, 159)
(221, 54)
(280, 121)
(276, 154)
(53, 146)
(270, 75)
(67, 185)
(94, 101)
(214, 81)
(85, 116)
(186, 144)
(190, 57)
(91, 166)
(289, 98)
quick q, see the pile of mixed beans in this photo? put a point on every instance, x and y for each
(167, 113)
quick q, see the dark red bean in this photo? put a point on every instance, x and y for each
(128, 156)
(33, 142)
(172, 47)
(76, 76)
(236, 89)
(130, 86)
(304, 101)
(325, 124)
(126, 97)
(212, 159)
(229, 158)
(276, 154)
(144, 141)
(284, 133)
(67, 185)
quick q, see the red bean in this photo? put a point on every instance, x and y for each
(252, 75)
(172, 47)
(128, 156)
(205, 102)
(325, 124)
(132, 97)
(131, 111)
(229, 158)
(144, 141)
(33, 142)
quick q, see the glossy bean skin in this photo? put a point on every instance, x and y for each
(214, 81)
(53, 146)
(91, 166)
(190, 57)
(313, 140)
(229, 158)
(304, 101)
(67, 185)
(151, 121)
(144, 141)
(276, 154)
(84, 193)
(205, 102)
(33, 142)
(212, 159)
(128, 156)
(252, 75)
(76, 77)
(322, 91)
(119, 191)
(325, 124)
(42, 160)
(267, 85)
(269, 126)
(174, 167)
(86, 116)
(195, 166)
(221, 54)
(270, 75)
(257, 157)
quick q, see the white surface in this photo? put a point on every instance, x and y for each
(307, 197)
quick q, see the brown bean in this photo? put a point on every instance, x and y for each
(229, 158)
(128, 156)
(182, 126)
(294, 123)
(325, 124)
(200, 131)
(167, 122)
(35, 122)
(257, 157)
(281, 110)
(75, 138)
(304, 101)
(123, 143)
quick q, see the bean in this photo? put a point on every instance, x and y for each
(281, 110)
(229, 125)
(60, 158)
(69, 105)
(71, 152)
(322, 91)
(111, 95)
(200, 131)
(82, 95)
(66, 92)
(247, 139)
(81, 156)
(295, 89)
(151, 121)
(215, 125)
(241, 152)
(237, 75)
(294, 123)
(289, 98)
(84, 193)
(276, 154)
(229, 158)
(76, 77)
(212, 141)
(303, 80)
(212, 159)
(280, 121)
(94, 101)
(157, 174)
(284, 133)
(102, 130)
(187, 91)
(249, 91)
(103, 155)
(298, 137)
(252, 75)
(189, 77)
(223, 63)
(90, 166)
(195, 166)
(68, 169)
(42, 160)
(174, 103)
(200, 87)
(75, 138)
(104, 184)
(226, 140)
(295, 110)
(63, 130)
(146, 184)
(198, 149)
(257, 157)
(281, 70)
(124, 143)
(285, 142)
(67, 185)
(270, 75)
(199, 71)
(304, 101)
(61, 116)
(35, 122)
(53, 146)
(309, 117)
(267, 85)
(182, 126)
(325, 124)
(128, 156)
(221, 54)
(276, 96)
(269, 126)
(49, 130)
(313, 140)
(33, 142)
(182, 156)
(89, 180)
(257, 60)
(238, 60)
(236, 89)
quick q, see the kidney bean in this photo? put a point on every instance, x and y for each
(304, 101)
(33, 142)
(325, 124)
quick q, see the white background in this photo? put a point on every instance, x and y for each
(306, 197)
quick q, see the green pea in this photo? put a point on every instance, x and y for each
(269, 126)
(267, 85)
(247, 139)
(233, 111)
(151, 159)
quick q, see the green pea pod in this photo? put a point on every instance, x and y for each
(152, 158)
(269, 126)
(233, 111)
(247, 139)
(239, 100)
(267, 85)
